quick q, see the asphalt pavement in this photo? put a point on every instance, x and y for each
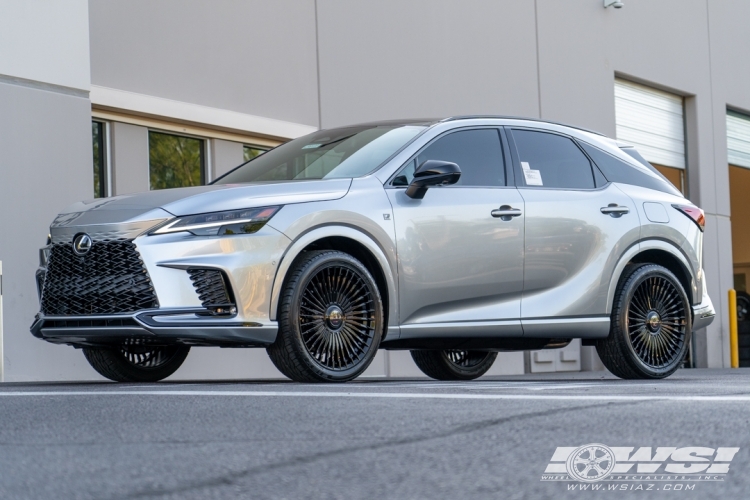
(495, 438)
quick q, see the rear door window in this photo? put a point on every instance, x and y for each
(551, 161)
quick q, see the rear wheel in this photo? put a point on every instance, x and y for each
(136, 363)
(651, 325)
(330, 319)
(453, 364)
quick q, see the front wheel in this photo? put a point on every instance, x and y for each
(453, 364)
(330, 319)
(651, 325)
(136, 363)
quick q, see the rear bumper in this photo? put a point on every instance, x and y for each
(156, 326)
(703, 315)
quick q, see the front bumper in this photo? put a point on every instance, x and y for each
(154, 326)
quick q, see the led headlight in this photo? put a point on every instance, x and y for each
(244, 221)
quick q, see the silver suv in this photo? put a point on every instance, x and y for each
(453, 238)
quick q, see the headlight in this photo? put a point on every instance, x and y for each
(244, 221)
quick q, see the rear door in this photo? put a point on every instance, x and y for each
(577, 227)
(460, 263)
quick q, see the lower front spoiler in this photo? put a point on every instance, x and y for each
(158, 327)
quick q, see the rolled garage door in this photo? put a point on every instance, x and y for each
(654, 122)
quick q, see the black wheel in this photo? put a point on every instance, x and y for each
(453, 364)
(651, 325)
(330, 319)
(136, 363)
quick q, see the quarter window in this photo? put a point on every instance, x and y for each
(175, 161)
(551, 161)
(478, 153)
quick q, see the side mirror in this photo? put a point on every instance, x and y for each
(432, 173)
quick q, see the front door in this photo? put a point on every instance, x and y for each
(577, 227)
(460, 261)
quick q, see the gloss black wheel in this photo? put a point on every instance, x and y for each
(330, 319)
(453, 364)
(651, 324)
(136, 363)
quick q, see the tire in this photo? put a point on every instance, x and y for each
(453, 364)
(651, 325)
(743, 307)
(330, 319)
(136, 363)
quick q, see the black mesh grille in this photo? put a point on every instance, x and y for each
(211, 287)
(109, 279)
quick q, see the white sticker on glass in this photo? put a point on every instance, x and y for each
(311, 146)
(533, 177)
(525, 165)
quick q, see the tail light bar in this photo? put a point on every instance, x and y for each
(693, 213)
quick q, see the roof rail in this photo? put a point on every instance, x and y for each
(469, 117)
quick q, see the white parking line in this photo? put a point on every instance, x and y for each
(394, 395)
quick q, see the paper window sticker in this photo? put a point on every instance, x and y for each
(525, 165)
(311, 146)
(533, 177)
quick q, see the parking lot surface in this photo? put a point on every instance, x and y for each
(407, 438)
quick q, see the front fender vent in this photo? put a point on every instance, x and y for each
(212, 288)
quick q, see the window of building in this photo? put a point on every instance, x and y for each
(654, 122)
(100, 162)
(551, 161)
(478, 153)
(175, 161)
(251, 152)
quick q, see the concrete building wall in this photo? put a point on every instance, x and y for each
(45, 163)
(256, 57)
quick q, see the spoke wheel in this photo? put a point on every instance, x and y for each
(657, 322)
(337, 317)
(330, 319)
(136, 362)
(465, 359)
(148, 357)
(650, 327)
(453, 364)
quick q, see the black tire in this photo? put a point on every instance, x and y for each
(136, 363)
(453, 364)
(651, 325)
(743, 307)
(330, 319)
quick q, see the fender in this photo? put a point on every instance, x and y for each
(643, 246)
(305, 239)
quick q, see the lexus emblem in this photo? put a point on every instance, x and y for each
(82, 244)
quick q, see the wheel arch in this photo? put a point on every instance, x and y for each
(349, 240)
(656, 252)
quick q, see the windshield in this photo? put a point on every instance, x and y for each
(327, 154)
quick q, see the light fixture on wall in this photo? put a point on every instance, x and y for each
(617, 4)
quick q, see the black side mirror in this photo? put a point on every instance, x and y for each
(432, 173)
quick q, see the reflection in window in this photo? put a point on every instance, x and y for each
(174, 161)
(251, 152)
(97, 136)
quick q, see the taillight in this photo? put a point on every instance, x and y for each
(694, 213)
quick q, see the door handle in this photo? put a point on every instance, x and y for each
(506, 212)
(614, 210)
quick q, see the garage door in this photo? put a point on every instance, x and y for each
(738, 155)
(738, 139)
(653, 121)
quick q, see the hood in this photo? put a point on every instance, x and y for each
(201, 199)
